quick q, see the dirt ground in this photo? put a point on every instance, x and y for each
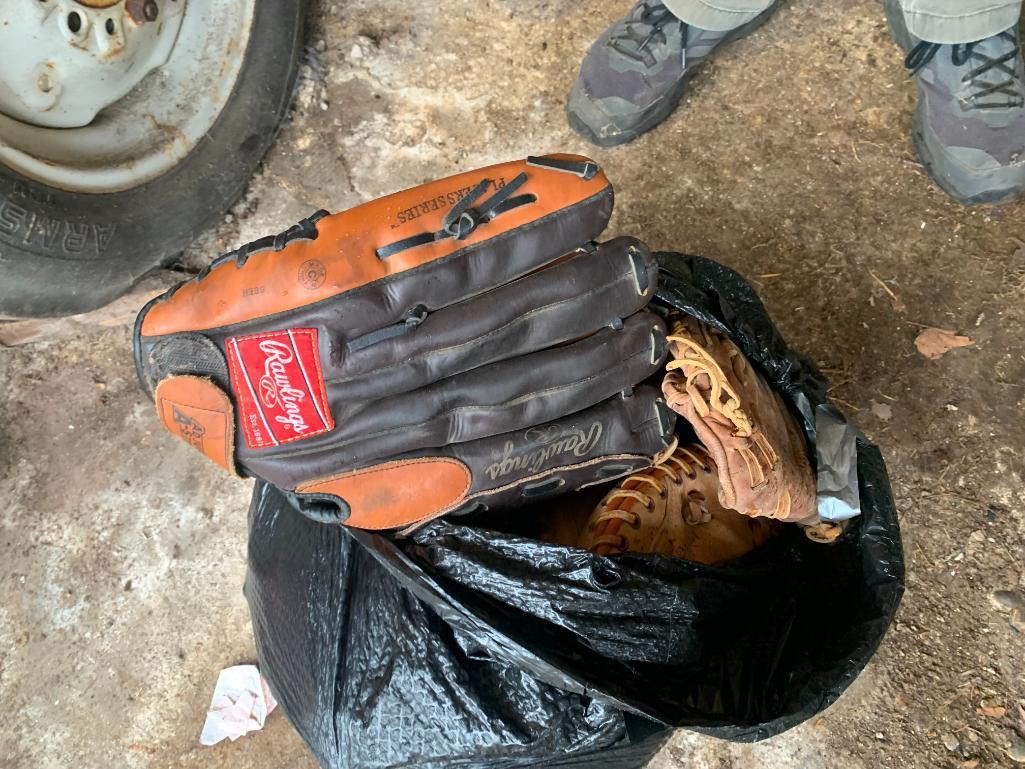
(122, 553)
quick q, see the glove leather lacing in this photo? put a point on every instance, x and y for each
(671, 467)
(586, 170)
(464, 218)
(304, 229)
(413, 318)
(721, 398)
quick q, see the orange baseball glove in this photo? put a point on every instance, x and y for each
(458, 345)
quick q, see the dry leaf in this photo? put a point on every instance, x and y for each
(993, 712)
(933, 342)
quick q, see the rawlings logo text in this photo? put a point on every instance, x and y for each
(276, 389)
(277, 379)
(544, 444)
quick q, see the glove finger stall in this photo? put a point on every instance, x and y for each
(335, 271)
(571, 299)
(613, 438)
(499, 398)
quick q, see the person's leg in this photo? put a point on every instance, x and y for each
(959, 21)
(716, 15)
(969, 125)
(635, 73)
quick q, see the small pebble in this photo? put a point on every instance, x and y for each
(949, 741)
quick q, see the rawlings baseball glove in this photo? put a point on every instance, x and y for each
(459, 345)
(755, 444)
(672, 508)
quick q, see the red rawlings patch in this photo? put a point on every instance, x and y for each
(279, 385)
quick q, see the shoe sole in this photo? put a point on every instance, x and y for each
(962, 185)
(658, 112)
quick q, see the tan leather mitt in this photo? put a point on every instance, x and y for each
(752, 437)
(672, 508)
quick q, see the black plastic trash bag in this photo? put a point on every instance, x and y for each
(373, 677)
(472, 645)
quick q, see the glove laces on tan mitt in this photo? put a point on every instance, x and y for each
(671, 508)
(752, 438)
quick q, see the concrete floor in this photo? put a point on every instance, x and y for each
(122, 553)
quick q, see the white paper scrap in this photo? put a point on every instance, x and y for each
(241, 704)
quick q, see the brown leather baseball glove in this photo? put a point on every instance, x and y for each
(459, 345)
(754, 441)
(673, 508)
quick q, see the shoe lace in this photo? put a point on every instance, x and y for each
(672, 465)
(963, 53)
(644, 26)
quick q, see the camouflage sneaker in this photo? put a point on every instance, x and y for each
(969, 126)
(634, 75)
